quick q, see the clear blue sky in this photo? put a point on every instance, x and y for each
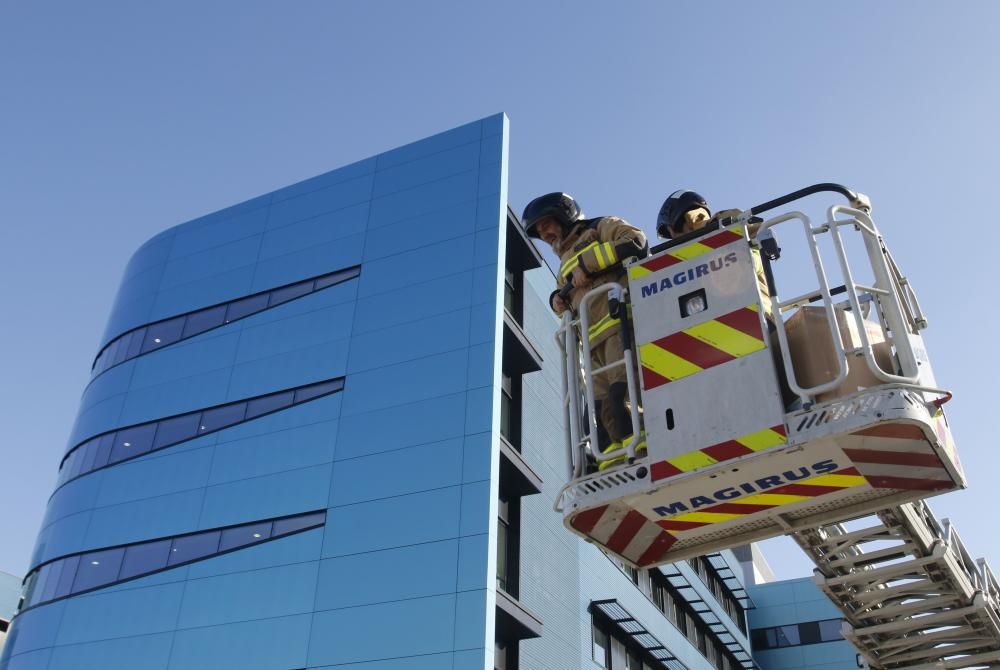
(120, 119)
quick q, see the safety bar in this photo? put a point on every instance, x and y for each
(886, 296)
(628, 361)
(898, 311)
(805, 393)
(576, 355)
(567, 341)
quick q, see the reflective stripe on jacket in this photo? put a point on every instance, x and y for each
(597, 246)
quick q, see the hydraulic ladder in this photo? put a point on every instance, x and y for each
(911, 595)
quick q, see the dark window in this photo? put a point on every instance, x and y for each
(316, 390)
(788, 636)
(161, 334)
(74, 463)
(206, 319)
(829, 630)
(503, 546)
(77, 573)
(132, 442)
(808, 632)
(190, 547)
(97, 569)
(506, 402)
(177, 429)
(246, 307)
(135, 346)
(508, 291)
(244, 535)
(221, 417)
(602, 648)
(336, 278)
(143, 558)
(67, 577)
(287, 293)
(104, 447)
(137, 440)
(297, 523)
(269, 403)
(89, 454)
(48, 574)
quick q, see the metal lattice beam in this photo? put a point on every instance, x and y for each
(912, 597)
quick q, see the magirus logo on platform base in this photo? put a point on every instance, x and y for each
(748, 488)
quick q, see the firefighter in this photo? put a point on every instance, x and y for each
(591, 252)
(684, 212)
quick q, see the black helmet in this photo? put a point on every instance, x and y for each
(560, 206)
(673, 209)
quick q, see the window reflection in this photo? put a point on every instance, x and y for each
(162, 333)
(132, 442)
(95, 569)
(244, 535)
(190, 547)
(128, 443)
(143, 558)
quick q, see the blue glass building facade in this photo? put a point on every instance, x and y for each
(324, 430)
(794, 626)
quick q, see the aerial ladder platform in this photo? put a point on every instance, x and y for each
(756, 415)
(911, 595)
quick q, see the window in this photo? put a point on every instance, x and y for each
(94, 569)
(163, 333)
(128, 443)
(97, 569)
(269, 403)
(178, 429)
(234, 538)
(143, 558)
(206, 319)
(793, 635)
(503, 547)
(602, 648)
(159, 335)
(508, 292)
(241, 309)
(506, 403)
(132, 442)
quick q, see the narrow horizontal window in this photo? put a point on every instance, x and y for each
(160, 334)
(91, 570)
(128, 443)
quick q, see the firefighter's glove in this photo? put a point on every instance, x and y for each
(580, 278)
(557, 303)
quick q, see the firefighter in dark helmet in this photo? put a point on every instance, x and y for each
(684, 212)
(591, 252)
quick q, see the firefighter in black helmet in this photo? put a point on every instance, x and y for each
(682, 212)
(686, 211)
(591, 252)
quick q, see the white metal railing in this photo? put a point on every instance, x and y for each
(896, 308)
(578, 382)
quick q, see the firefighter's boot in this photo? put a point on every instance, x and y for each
(621, 422)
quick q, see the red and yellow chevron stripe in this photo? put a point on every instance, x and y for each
(689, 351)
(760, 502)
(723, 451)
(687, 252)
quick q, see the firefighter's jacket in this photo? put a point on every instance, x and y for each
(598, 246)
(758, 263)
